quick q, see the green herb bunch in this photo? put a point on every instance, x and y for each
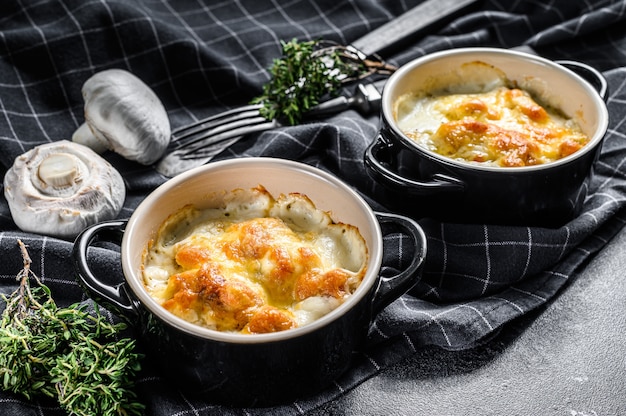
(306, 72)
(65, 353)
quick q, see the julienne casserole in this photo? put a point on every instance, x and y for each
(500, 125)
(253, 263)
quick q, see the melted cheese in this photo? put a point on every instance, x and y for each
(501, 127)
(254, 264)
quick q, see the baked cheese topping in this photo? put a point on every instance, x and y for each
(254, 264)
(502, 127)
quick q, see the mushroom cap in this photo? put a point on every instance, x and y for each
(60, 188)
(125, 114)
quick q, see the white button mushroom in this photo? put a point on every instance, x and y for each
(124, 115)
(60, 188)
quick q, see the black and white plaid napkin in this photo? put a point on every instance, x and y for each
(203, 58)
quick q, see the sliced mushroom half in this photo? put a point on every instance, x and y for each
(60, 188)
(124, 115)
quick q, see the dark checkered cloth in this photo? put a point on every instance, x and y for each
(203, 58)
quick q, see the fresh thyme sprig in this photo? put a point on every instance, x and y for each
(65, 353)
(308, 71)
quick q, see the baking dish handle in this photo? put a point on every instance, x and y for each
(391, 288)
(111, 295)
(438, 183)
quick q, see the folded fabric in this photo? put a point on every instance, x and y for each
(201, 59)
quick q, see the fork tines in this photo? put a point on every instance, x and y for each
(223, 126)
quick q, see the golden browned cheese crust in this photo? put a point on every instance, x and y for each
(255, 264)
(503, 127)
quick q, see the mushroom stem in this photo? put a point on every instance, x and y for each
(85, 136)
(59, 170)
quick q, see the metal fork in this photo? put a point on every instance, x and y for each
(196, 144)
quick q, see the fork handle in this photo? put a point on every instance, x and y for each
(366, 99)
